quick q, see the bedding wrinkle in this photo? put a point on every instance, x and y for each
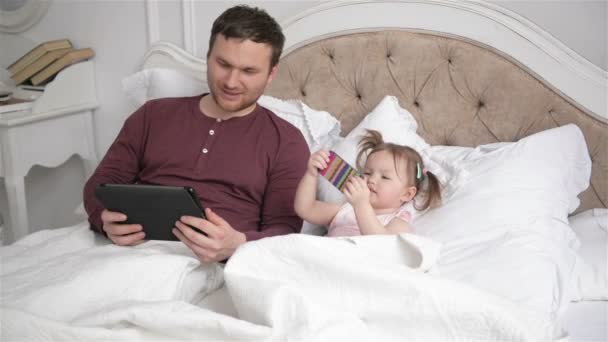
(82, 277)
(346, 290)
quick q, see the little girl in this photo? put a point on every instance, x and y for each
(392, 176)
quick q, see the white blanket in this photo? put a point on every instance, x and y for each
(69, 285)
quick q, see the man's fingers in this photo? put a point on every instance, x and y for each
(122, 229)
(202, 253)
(193, 235)
(219, 242)
(199, 223)
(215, 218)
(112, 216)
(128, 240)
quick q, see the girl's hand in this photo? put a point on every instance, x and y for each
(356, 191)
(318, 161)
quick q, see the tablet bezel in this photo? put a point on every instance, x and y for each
(155, 207)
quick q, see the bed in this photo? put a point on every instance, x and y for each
(512, 122)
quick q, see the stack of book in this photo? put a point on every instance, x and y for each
(41, 64)
(13, 104)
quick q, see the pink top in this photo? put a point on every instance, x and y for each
(345, 221)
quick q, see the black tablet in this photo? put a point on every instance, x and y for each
(155, 207)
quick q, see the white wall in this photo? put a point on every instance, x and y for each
(579, 24)
(117, 31)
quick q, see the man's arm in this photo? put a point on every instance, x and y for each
(119, 165)
(278, 213)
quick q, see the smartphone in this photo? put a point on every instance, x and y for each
(338, 171)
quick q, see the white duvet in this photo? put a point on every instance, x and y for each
(68, 284)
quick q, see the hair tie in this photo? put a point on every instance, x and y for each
(418, 172)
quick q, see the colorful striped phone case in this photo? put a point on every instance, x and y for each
(338, 172)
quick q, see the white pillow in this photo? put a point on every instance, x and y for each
(397, 126)
(551, 168)
(320, 128)
(506, 228)
(157, 83)
(591, 228)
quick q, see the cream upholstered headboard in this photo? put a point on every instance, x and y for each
(461, 93)
(470, 72)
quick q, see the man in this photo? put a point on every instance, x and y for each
(243, 161)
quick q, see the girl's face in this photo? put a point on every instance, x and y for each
(389, 188)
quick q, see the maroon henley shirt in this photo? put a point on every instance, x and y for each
(245, 168)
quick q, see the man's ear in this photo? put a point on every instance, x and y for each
(408, 194)
(273, 73)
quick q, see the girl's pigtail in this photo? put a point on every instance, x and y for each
(431, 187)
(369, 142)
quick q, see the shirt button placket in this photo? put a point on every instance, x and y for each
(205, 150)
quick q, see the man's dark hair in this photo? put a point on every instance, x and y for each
(244, 22)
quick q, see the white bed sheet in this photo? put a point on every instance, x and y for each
(582, 321)
(586, 321)
(282, 288)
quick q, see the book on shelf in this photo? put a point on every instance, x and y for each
(39, 64)
(26, 92)
(36, 53)
(15, 104)
(28, 87)
(66, 60)
(5, 95)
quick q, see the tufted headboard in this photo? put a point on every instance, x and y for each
(461, 93)
(470, 72)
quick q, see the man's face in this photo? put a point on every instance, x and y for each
(238, 71)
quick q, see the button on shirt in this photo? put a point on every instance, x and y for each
(245, 168)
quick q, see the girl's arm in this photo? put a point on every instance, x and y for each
(369, 224)
(357, 193)
(398, 226)
(306, 204)
(367, 220)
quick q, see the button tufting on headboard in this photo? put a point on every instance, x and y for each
(461, 93)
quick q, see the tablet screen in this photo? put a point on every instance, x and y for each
(155, 207)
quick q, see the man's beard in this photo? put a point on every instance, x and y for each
(237, 106)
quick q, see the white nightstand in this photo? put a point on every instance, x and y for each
(59, 125)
